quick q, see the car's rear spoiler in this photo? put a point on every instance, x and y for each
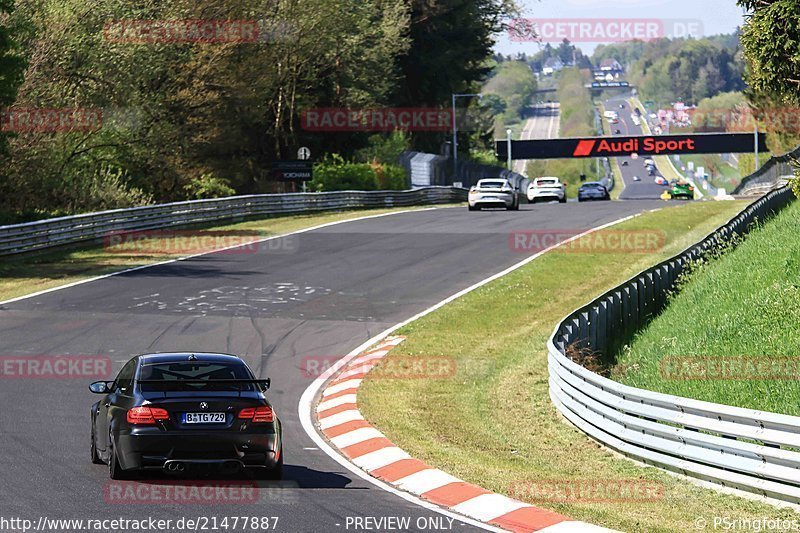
(263, 383)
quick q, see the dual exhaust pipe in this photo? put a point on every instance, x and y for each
(174, 466)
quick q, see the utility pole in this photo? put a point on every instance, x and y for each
(455, 137)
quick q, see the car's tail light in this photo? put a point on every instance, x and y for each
(257, 414)
(146, 415)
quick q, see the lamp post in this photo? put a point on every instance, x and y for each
(455, 139)
(508, 149)
(756, 150)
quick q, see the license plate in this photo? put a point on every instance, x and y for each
(204, 418)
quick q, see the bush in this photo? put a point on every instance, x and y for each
(384, 149)
(390, 177)
(335, 174)
(484, 157)
(208, 186)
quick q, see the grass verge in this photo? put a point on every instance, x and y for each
(739, 310)
(492, 423)
(29, 273)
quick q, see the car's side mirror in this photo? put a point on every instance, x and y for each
(100, 387)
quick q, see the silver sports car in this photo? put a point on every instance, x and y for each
(493, 192)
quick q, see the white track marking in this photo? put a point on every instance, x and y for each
(571, 526)
(489, 506)
(425, 480)
(344, 385)
(380, 458)
(341, 400)
(340, 418)
(356, 436)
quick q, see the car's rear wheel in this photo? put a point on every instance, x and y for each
(275, 473)
(474, 208)
(562, 200)
(93, 450)
(115, 470)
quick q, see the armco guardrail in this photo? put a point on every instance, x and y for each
(774, 171)
(750, 450)
(79, 228)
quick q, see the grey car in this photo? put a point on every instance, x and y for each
(593, 190)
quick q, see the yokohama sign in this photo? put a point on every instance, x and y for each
(709, 143)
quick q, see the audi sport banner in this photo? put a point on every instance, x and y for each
(647, 145)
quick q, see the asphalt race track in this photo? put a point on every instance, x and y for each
(543, 124)
(317, 294)
(634, 190)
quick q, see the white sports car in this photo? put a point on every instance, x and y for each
(493, 192)
(548, 189)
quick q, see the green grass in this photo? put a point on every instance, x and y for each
(492, 423)
(26, 274)
(742, 304)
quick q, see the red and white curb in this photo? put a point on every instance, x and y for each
(339, 419)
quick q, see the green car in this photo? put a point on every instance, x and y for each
(681, 189)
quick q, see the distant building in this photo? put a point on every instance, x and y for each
(552, 65)
(611, 66)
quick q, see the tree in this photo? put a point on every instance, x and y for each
(771, 41)
(12, 65)
(450, 43)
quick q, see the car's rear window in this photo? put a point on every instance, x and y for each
(491, 184)
(183, 375)
(546, 182)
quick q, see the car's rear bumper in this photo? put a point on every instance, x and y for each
(545, 195)
(592, 195)
(207, 449)
(496, 201)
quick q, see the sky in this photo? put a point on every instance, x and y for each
(600, 17)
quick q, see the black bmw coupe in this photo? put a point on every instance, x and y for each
(185, 412)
